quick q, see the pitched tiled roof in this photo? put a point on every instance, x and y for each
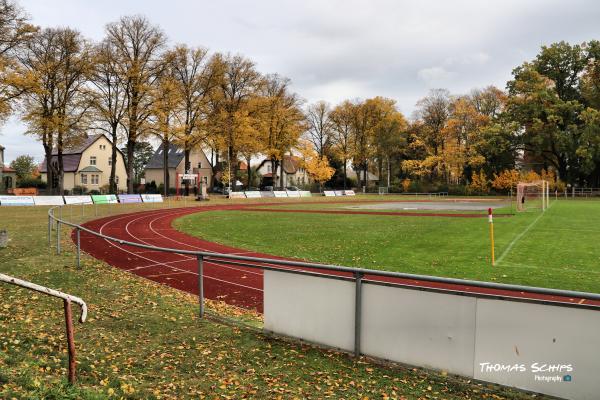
(8, 169)
(175, 157)
(291, 164)
(72, 155)
(90, 168)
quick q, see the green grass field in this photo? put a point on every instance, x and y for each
(144, 341)
(556, 249)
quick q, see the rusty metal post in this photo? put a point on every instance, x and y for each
(78, 236)
(70, 340)
(201, 285)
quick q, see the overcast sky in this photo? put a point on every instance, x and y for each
(338, 49)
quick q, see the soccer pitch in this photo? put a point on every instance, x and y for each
(554, 249)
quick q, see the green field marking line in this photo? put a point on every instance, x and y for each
(520, 235)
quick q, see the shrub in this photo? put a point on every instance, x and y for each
(31, 183)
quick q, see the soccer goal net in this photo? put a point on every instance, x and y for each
(533, 196)
(383, 190)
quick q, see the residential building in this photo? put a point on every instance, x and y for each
(88, 166)
(294, 173)
(8, 176)
(198, 161)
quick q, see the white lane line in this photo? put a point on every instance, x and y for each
(519, 236)
(212, 251)
(161, 263)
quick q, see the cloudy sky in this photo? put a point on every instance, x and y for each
(338, 49)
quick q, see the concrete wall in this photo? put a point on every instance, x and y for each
(541, 347)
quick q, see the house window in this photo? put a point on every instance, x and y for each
(269, 168)
(109, 161)
(93, 160)
(83, 179)
(117, 179)
(102, 147)
(199, 165)
(95, 179)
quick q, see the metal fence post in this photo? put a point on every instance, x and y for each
(57, 237)
(201, 284)
(70, 340)
(78, 236)
(49, 230)
(357, 312)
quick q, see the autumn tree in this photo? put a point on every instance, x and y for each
(342, 117)
(316, 165)
(58, 63)
(166, 113)
(109, 99)
(137, 45)
(232, 105)
(15, 32)
(196, 75)
(319, 127)
(282, 121)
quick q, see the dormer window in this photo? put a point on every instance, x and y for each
(92, 160)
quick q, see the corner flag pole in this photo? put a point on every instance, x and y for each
(491, 221)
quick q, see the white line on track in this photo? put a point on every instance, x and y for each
(161, 263)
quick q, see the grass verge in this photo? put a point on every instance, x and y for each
(144, 341)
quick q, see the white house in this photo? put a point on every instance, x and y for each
(293, 172)
(88, 165)
(198, 161)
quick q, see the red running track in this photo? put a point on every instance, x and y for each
(236, 285)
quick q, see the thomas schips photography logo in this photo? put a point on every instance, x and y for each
(542, 372)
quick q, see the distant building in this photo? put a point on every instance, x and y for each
(293, 172)
(8, 176)
(88, 165)
(199, 164)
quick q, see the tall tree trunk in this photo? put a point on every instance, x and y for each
(389, 172)
(130, 155)
(380, 168)
(187, 167)
(166, 184)
(281, 175)
(49, 171)
(249, 172)
(61, 168)
(112, 182)
(345, 174)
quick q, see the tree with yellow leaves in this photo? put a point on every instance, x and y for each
(316, 166)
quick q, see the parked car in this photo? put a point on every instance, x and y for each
(292, 188)
(267, 188)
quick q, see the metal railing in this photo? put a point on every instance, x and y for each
(325, 271)
(67, 300)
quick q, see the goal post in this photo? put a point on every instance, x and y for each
(383, 190)
(533, 195)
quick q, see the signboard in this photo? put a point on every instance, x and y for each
(188, 176)
(329, 193)
(48, 200)
(349, 192)
(305, 193)
(252, 194)
(129, 198)
(293, 193)
(237, 195)
(267, 193)
(152, 198)
(280, 193)
(16, 200)
(339, 193)
(78, 200)
(104, 199)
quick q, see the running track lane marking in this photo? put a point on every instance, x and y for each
(160, 263)
(519, 236)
